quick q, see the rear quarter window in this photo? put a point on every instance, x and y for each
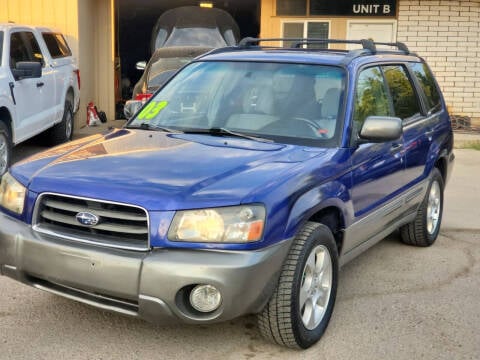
(428, 85)
(56, 44)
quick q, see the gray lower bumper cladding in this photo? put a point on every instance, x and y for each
(151, 285)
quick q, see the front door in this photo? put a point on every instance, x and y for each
(378, 169)
(34, 97)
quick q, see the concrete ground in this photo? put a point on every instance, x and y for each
(394, 302)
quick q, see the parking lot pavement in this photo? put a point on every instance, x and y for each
(394, 302)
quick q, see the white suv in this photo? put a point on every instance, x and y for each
(39, 87)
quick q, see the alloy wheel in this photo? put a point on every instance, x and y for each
(433, 207)
(316, 287)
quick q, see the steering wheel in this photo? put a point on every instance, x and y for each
(313, 127)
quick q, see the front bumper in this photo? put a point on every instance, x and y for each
(150, 285)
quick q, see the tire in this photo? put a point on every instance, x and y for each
(288, 319)
(5, 148)
(63, 131)
(423, 231)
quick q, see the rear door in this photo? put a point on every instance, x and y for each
(61, 63)
(420, 130)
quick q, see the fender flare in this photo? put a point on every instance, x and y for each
(331, 194)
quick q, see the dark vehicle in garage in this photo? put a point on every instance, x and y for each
(159, 69)
(194, 26)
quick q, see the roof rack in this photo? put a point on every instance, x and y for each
(367, 44)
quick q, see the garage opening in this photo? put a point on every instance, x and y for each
(135, 20)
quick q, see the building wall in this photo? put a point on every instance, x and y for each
(446, 33)
(88, 28)
(95, 22)
(59, 14)
(271, 24)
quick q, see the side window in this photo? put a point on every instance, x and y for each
(405, 101)
(24, 47)
(371, 97)
(56, 44)
(429, 87)
(18, 50)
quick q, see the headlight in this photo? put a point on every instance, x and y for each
(235, 224)
(12, 194)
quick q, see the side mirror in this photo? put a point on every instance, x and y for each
(131, 108)
(377, 129)
(27, 69)
(141, 65)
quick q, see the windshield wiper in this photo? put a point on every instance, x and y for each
(225, 132)
(148, 126)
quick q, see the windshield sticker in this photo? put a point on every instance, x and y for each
(152, 110)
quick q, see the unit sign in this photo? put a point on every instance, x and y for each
(354, 7)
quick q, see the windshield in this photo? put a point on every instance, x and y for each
(157, 74)
(195, 36)
(289, 103)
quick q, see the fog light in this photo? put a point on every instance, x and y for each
(205, 298)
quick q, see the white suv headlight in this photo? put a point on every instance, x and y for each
(12, 194)
(234, 224)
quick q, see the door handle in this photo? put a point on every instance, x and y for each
(429, 134)
(40, 84)
(395, 148)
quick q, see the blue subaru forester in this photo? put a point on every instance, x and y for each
(240, 188)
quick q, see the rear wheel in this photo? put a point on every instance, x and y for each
(301, 306)
(423, 231)
(5, 148)
(63, 131)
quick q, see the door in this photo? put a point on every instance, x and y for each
(34, 97)
(379, 31)
(417, 128)
(419, 133)
(378, 169)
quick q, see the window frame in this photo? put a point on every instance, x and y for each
(420, 101)
(427, 111)
(304, 22)
(22, 34)
(54, 35)
(385, 88)
(413, 80)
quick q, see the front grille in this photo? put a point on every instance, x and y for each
(119, 225)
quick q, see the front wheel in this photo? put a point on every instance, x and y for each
(423, 231)
(301, 306)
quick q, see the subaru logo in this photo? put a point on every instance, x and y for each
(87, 219)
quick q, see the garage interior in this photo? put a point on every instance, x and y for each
(135, 20)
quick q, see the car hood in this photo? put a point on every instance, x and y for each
(161, 171)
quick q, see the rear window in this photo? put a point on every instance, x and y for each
(56, 44)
